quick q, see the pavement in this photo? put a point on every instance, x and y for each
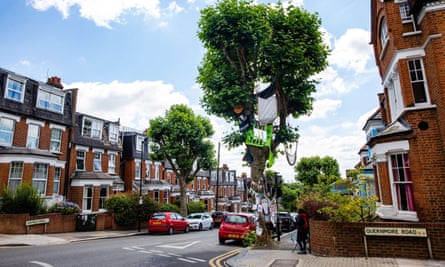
(281, 255)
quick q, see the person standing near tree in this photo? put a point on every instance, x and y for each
(302, 222)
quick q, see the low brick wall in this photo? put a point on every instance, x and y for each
(58, 223)
(347, 240)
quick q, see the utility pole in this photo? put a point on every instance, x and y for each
(140, 186)
(217, 180)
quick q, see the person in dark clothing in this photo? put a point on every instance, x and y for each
(302, 222)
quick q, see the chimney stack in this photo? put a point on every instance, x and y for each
(55, 81)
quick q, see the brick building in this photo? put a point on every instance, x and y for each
(407, 147)
(35, 124)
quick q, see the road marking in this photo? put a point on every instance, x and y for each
(186, 260)
(144, 251)
(182, 245)
(41, 263)
(215, 262)
(173, 254)
(127, 248)
(196, 259)
(156, 251)
(164, 255)
(136, 247)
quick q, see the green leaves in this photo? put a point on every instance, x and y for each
(248, 42)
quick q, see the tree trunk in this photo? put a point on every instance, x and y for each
(183, 196)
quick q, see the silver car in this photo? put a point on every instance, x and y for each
(200, 221)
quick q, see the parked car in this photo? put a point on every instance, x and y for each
(200, 221)
(168, 222)
(235, 226)
(217, 217)
(287, 223)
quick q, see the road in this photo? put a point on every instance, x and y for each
(193, 249)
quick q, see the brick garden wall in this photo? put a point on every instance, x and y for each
(347, 240)
(58, 223)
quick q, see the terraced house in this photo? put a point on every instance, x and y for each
(35, 123)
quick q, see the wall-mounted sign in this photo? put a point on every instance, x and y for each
(390, 231)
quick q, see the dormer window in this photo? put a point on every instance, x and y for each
(50, 101)
(15, 89)
(113, 133)
(92, 128)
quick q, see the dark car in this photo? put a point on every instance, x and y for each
(168, 222)
(287, 223)
(217, 217)
(235, 226)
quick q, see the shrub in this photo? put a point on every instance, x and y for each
(250, 239)
(127, 210)
(168, 207)
(196, 206)
(65, 207)
(25, 199)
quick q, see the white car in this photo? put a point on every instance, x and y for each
(200, 221)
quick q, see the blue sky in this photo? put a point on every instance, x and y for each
(133, 59)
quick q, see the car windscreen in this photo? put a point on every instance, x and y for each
(158, 216)
(194, 216)
(236, 219)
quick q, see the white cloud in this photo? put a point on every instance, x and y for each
(322, 108)
(352, 50)
(133, 103)
(102, 12)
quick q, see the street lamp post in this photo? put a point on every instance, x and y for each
(217, 180)
(140, 186)
(277, 196)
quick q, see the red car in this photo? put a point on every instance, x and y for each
(235, 226)
(168, 222)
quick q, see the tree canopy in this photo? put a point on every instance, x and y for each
(250, 45)
(316, 170)
(182, 138)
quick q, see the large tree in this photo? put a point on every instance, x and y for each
(250, 45)
(182, 138)
(316, 170)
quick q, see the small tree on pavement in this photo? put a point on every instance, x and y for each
(182, 138)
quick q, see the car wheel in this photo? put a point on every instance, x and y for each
(211, 226)
(187, 229)
(222, 241)
(200, 227)
(171, 230)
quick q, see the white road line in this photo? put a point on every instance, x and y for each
(144, 251)
(173, 254)
(41, 263)
(127, 248)
(196, 259)
(136, 247)
(156, 251)
(164, 255)
(181, 245)
(186, 260)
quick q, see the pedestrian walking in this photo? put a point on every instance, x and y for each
(302, 222)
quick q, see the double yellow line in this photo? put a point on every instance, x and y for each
(216, 262)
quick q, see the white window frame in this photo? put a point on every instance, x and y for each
(166, 196)
(15, 175)
(84, 153)
(94, 130)
(112, 163)
(11, 80)
(137, 169)
(396, 182)
(113, 134)
(417, 76)
(56, 183)
(40, 177)
(97, 161)
(139, 140)
(56, 140)
(50, 101)
(384, 36)
(157, 170)
(147, 169)
(7, 132)
(102, 196)
(32, 139)
(87, 199)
